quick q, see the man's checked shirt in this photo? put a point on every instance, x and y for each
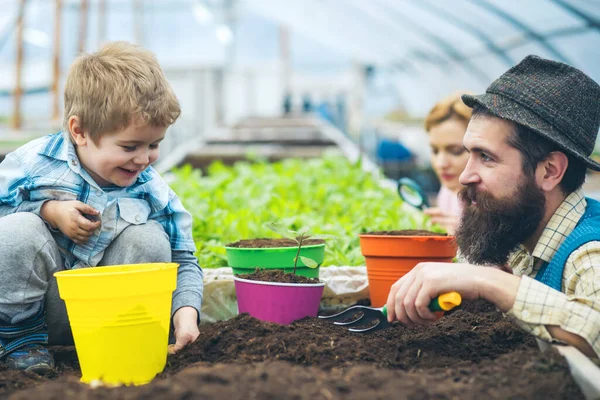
(577, 308)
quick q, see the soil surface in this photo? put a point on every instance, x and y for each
(473, 352)
(264, 243)
(406, 232)
(269, 275)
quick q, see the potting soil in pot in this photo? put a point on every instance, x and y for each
(472, 353)
(277, 276)
(271, 243)
(406, 232)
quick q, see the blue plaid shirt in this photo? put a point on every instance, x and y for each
(48, 169)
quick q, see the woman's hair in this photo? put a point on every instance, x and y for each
(449, 107)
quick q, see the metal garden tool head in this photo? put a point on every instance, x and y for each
(362, 319)
(373, 318)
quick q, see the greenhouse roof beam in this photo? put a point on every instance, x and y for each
(589, 20)
(405, 65)
(441, 43)
(435, 59)
(575, 30)
(354, 20)
(316, 27)
(472, 29)
(523, 27)
(12, 26)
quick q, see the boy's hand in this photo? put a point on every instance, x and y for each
(185, 322)
(69, 218)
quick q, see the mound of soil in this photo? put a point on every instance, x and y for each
(267, 275)
(406, 232)
(471, 353)
(270, 243)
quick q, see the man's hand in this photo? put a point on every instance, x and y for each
(447, 221)
(69, 218)
(410, 296)
(185, 322)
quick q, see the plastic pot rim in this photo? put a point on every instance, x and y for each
(274, 248)
(409, 237)
(235, 278)
(110, 270)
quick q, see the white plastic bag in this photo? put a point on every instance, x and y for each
(344, 286)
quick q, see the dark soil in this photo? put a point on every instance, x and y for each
(266, 275)
(406, 232)
(471, 353)
(269, 243)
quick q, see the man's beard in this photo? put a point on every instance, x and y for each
(492, 228)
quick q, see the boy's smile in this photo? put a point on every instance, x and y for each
(119, 157)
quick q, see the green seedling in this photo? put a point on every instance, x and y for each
(299, 237)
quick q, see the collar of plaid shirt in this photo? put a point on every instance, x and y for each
(561, 224)
(60, 147)
(150, 195)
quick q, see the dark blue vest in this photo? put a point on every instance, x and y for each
(587, 230)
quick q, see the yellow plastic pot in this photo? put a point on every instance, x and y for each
(120, 317)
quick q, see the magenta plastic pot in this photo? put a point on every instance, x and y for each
(277, 302)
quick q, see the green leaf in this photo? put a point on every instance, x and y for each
(281, 230)
(302, 231)
(309, 262)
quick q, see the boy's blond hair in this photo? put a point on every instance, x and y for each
(109, 88)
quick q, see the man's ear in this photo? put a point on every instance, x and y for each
(76, 131)
(551, 171)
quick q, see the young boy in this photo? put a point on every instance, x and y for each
(88, 197)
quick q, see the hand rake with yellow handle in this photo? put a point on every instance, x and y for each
(370, 315)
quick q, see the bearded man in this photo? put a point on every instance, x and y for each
(529, 236)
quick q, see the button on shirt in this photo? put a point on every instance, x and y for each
(48, 169)
(577, 308)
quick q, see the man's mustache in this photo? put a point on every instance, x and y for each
(468, 194)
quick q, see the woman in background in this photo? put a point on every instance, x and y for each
(446, 125)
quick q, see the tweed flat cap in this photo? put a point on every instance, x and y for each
(553, 99)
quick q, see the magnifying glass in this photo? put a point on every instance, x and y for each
(412, 193)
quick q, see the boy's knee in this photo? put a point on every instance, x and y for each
(22, 221)
(23, 229)
(148, 240)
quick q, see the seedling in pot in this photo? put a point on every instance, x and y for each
(299, 237)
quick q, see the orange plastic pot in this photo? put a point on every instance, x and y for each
(389, 258)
